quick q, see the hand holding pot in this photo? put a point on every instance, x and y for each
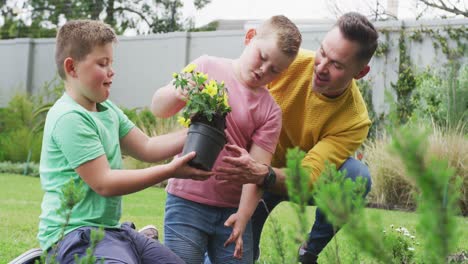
(183, 171)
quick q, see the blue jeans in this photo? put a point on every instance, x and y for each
(322, 231)
(191, 229)
(119, 245)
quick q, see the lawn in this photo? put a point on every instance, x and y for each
(20, 199)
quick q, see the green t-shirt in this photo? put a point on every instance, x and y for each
(73, 136)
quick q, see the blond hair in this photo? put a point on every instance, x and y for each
(77, 38)
(288, 36)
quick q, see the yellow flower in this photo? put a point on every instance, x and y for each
(175, 75)
(225, 100)
(203, 76)
(189, 68)
(211, 88)
(183, 121)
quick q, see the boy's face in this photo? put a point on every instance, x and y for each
(262, 61)
(94, 74)
(336, 64)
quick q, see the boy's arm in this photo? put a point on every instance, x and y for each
(250, 197)
(167, 101)
(153, 149)
(108, 182)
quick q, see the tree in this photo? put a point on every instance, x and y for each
(456, 7)
(388, 9)
(148, 16)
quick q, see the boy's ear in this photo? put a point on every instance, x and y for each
(362, 73)
(249, 35)
(69, 67)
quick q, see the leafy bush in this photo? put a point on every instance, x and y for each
(22, 122)
(31, 169)
(391, 184)
(442, 95)
(341, 201)
(16, 136)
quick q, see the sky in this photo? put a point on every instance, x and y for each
(293, 9)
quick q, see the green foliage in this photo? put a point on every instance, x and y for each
(156, 16)
(442, 96)
(72, 193)
(22, 122)
(342, 201)
(401, 243)
(406, 82)
(29, 168)
(20, 202)
(145, 120)
(437, 203)
(382, 49)
(377, 125)
(297, 183)
(14, 28)
(212, 26)
(205, 99)
(16, 136)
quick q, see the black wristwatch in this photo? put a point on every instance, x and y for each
(270, 179)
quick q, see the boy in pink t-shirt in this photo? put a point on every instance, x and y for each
(208, 216)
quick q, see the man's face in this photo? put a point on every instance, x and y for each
(336, 64)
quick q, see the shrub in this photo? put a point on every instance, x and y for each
(391, 185)
(22, 122)
(31, 169)
(442, 95)
(17, 138)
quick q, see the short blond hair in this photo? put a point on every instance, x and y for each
(77, 38)
(288, 36)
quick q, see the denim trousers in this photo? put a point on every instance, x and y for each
(322, 231)
(191, 229)
(119, 245)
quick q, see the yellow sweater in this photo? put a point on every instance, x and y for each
(325, 128)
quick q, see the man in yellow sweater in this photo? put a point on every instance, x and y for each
(323, 114)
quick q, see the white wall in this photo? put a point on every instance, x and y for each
(145, 63)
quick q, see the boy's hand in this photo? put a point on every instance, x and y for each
(183, 171)
(238, 223)
(183, 94)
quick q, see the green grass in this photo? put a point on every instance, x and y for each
(20, 199)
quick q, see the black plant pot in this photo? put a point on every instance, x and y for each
(207, 142)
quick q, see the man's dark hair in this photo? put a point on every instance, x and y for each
(356, 27)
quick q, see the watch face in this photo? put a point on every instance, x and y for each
(270, 179)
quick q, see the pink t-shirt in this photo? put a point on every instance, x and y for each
(255, 118)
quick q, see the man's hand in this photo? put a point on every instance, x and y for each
(238, 223)
(243, 169)
(183, 171)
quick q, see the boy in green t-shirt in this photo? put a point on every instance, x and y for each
(83, 137)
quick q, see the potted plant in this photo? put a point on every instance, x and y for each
(204, 113)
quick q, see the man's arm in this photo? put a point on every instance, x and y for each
(245, 169)
(335, 149)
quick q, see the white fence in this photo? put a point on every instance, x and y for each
(145, 63)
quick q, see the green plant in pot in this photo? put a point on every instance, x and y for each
(204, 113)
